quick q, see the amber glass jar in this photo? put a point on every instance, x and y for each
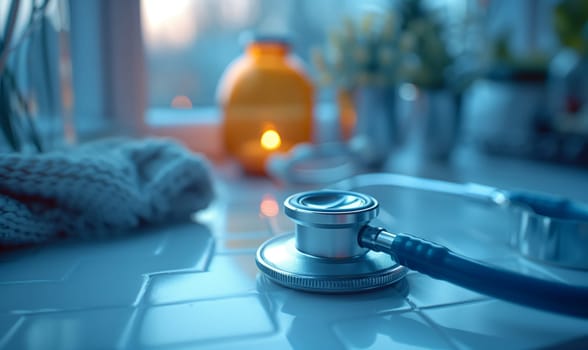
(267, 102)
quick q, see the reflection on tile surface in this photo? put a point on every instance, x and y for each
(109, 273)
(32, 265)
(204, 321)
(239, 245)
(8, 325)
(227, 275)
(392, 331)
(246, 219)
(428, 292)
(87, 292)
(307, 318)
(89, 329)
(500, 325)
(334, 306)
(262, 342)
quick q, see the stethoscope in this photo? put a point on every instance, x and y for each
(333, 249)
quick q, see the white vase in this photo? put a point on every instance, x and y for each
(502, 114)
(428, 123)
(375, 128)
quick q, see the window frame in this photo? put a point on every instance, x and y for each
(110, 81)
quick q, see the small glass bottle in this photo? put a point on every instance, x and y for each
(267, 103)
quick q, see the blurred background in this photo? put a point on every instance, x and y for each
(389, 77)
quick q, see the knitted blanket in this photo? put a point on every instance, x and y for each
(98, 189)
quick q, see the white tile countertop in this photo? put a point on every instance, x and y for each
(195, 284)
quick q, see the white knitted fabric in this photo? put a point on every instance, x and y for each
(99, 189)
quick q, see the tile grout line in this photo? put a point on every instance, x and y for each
(212, 252)
(455, 303)
(432, 324)
(191, 301)
(63, 278)
(142, 291)
(4, 340)
(125, 337)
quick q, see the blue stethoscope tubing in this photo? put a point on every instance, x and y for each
(441, 263)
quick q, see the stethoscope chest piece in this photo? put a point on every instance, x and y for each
(323, 255)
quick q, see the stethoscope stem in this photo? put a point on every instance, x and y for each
(441, 263)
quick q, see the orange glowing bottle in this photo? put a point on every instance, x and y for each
(267, 102)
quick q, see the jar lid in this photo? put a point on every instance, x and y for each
(251, 37)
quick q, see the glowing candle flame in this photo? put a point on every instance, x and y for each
(270, 140)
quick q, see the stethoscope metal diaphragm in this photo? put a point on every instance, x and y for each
(322, 255)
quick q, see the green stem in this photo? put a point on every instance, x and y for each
(8, 32)
(6, 116)
(50, 94)
(24, 106)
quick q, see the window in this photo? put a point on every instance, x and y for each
(189, 43)
(184, 46)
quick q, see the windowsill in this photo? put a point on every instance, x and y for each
(198, 128)
(171, 117)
